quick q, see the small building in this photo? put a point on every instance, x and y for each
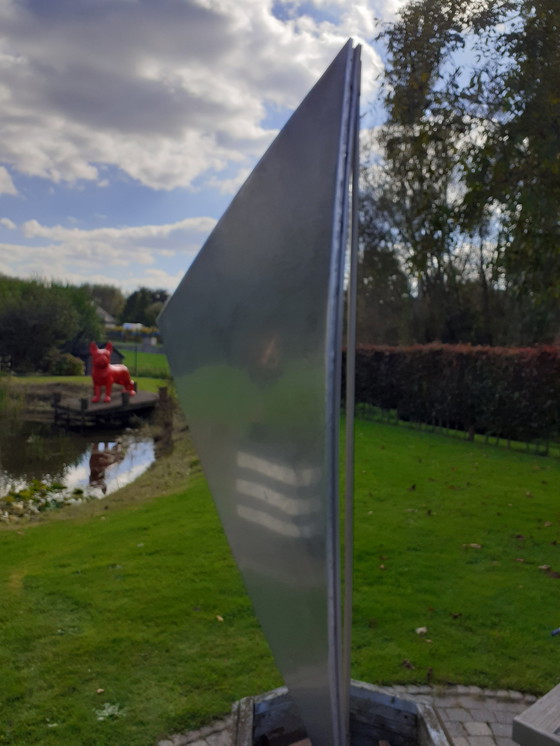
(107, 320)
(81, 350)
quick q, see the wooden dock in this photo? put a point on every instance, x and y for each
(83, 412)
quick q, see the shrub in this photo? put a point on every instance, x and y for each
(511, 393)
(63, 364)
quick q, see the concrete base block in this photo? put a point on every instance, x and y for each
(271, 719)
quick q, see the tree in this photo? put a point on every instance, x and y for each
(109, 297)
(383, 298)
(37, 318)
(143, 306)
(468, 176)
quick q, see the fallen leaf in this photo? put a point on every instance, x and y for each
(528, 494)
(520, 559)
(456, 614)
(99, 691)
(382, 567)
(421, 630)
(546, 524)
(219, 618)
(472, 546)
(544, 567)
(407, 664)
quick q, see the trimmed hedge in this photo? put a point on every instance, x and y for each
(511, 393)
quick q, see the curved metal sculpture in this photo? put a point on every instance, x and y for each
(254, 335)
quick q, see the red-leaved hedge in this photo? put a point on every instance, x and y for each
(511, 393)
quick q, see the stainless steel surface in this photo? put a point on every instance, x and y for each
(253, 336)
(352, 292)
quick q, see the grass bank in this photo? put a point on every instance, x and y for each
(32, 394)
(127, 623)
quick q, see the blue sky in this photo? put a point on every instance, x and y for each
(128, 125)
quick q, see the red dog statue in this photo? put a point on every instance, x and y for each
(105, 374)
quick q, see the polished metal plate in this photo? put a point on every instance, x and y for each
(253, 336)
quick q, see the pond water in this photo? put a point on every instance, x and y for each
(71, 466)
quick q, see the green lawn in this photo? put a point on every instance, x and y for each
(130, 601)
(146, 363)
(451, 536)
(145, 382)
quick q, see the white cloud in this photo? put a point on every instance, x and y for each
(166, 91)
(229, 186)
(33, 229)
(122, 254)
(6, 184)
(7, 223)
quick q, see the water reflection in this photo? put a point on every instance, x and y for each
(37, 451)
(103, 455)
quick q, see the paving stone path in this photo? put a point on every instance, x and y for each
(472, 716)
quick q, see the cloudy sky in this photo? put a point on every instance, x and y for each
(127, 126)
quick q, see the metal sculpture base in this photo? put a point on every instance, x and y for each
(271, 720)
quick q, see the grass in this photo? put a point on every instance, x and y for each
(129, 599)
(75, 383)
(452, 536)
(127, 603)
(146, 364)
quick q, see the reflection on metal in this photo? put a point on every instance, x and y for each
(352, 293)
(253, 336)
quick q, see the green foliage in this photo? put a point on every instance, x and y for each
(143, 306)
(504, 392)
(466, 179)
(108, 297)
(63, 364)
(37, 317)
(35, 498)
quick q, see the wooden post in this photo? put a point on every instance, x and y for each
(83, 408)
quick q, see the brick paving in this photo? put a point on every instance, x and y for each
(472, 716)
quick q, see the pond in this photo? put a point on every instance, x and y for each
(43, 467)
